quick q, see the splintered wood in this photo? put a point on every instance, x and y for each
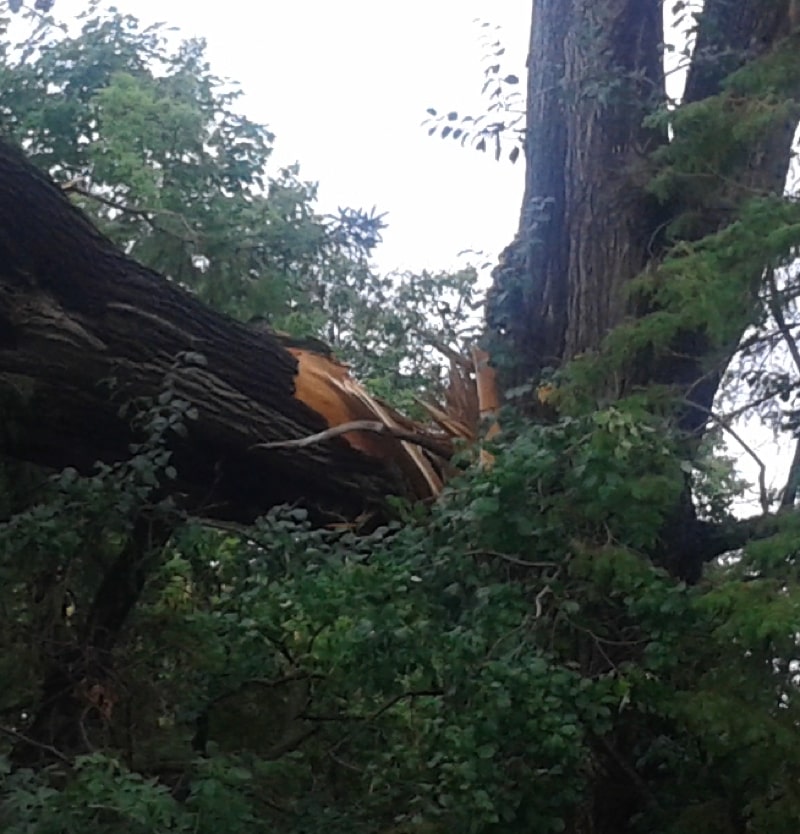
(420, 452)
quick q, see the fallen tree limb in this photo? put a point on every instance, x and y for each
(75, 312)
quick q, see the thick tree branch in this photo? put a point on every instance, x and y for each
(733, 535)
(728, 37)
(776, 309)
(142, 212)
(75, 312)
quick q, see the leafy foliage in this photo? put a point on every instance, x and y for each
(475, 670)
(505, 109)
(149, 141)
(508, 660)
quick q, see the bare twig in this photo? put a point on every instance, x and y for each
(141, 212)
(539, 599)
(290, 743)
(344, 764)
(264, 683)
(514, 560)
(437, 446)
(763, 498)
(371, 716)
(743, 409)
(48, 748)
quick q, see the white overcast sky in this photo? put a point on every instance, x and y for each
(344, 85)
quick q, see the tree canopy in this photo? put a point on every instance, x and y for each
(202, 633)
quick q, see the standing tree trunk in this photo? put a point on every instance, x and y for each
(588, 224)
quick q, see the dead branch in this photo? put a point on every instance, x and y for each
(440, 447)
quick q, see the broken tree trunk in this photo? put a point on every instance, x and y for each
(76, 314)
(85, 331)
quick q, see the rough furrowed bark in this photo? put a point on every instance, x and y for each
(588, 228)
(594, 70)
(76, 313)
(588, 225)
(726, 42)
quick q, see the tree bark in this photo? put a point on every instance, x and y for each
(75, 313)
(594, 71)
(588, 226)
(78, 685)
